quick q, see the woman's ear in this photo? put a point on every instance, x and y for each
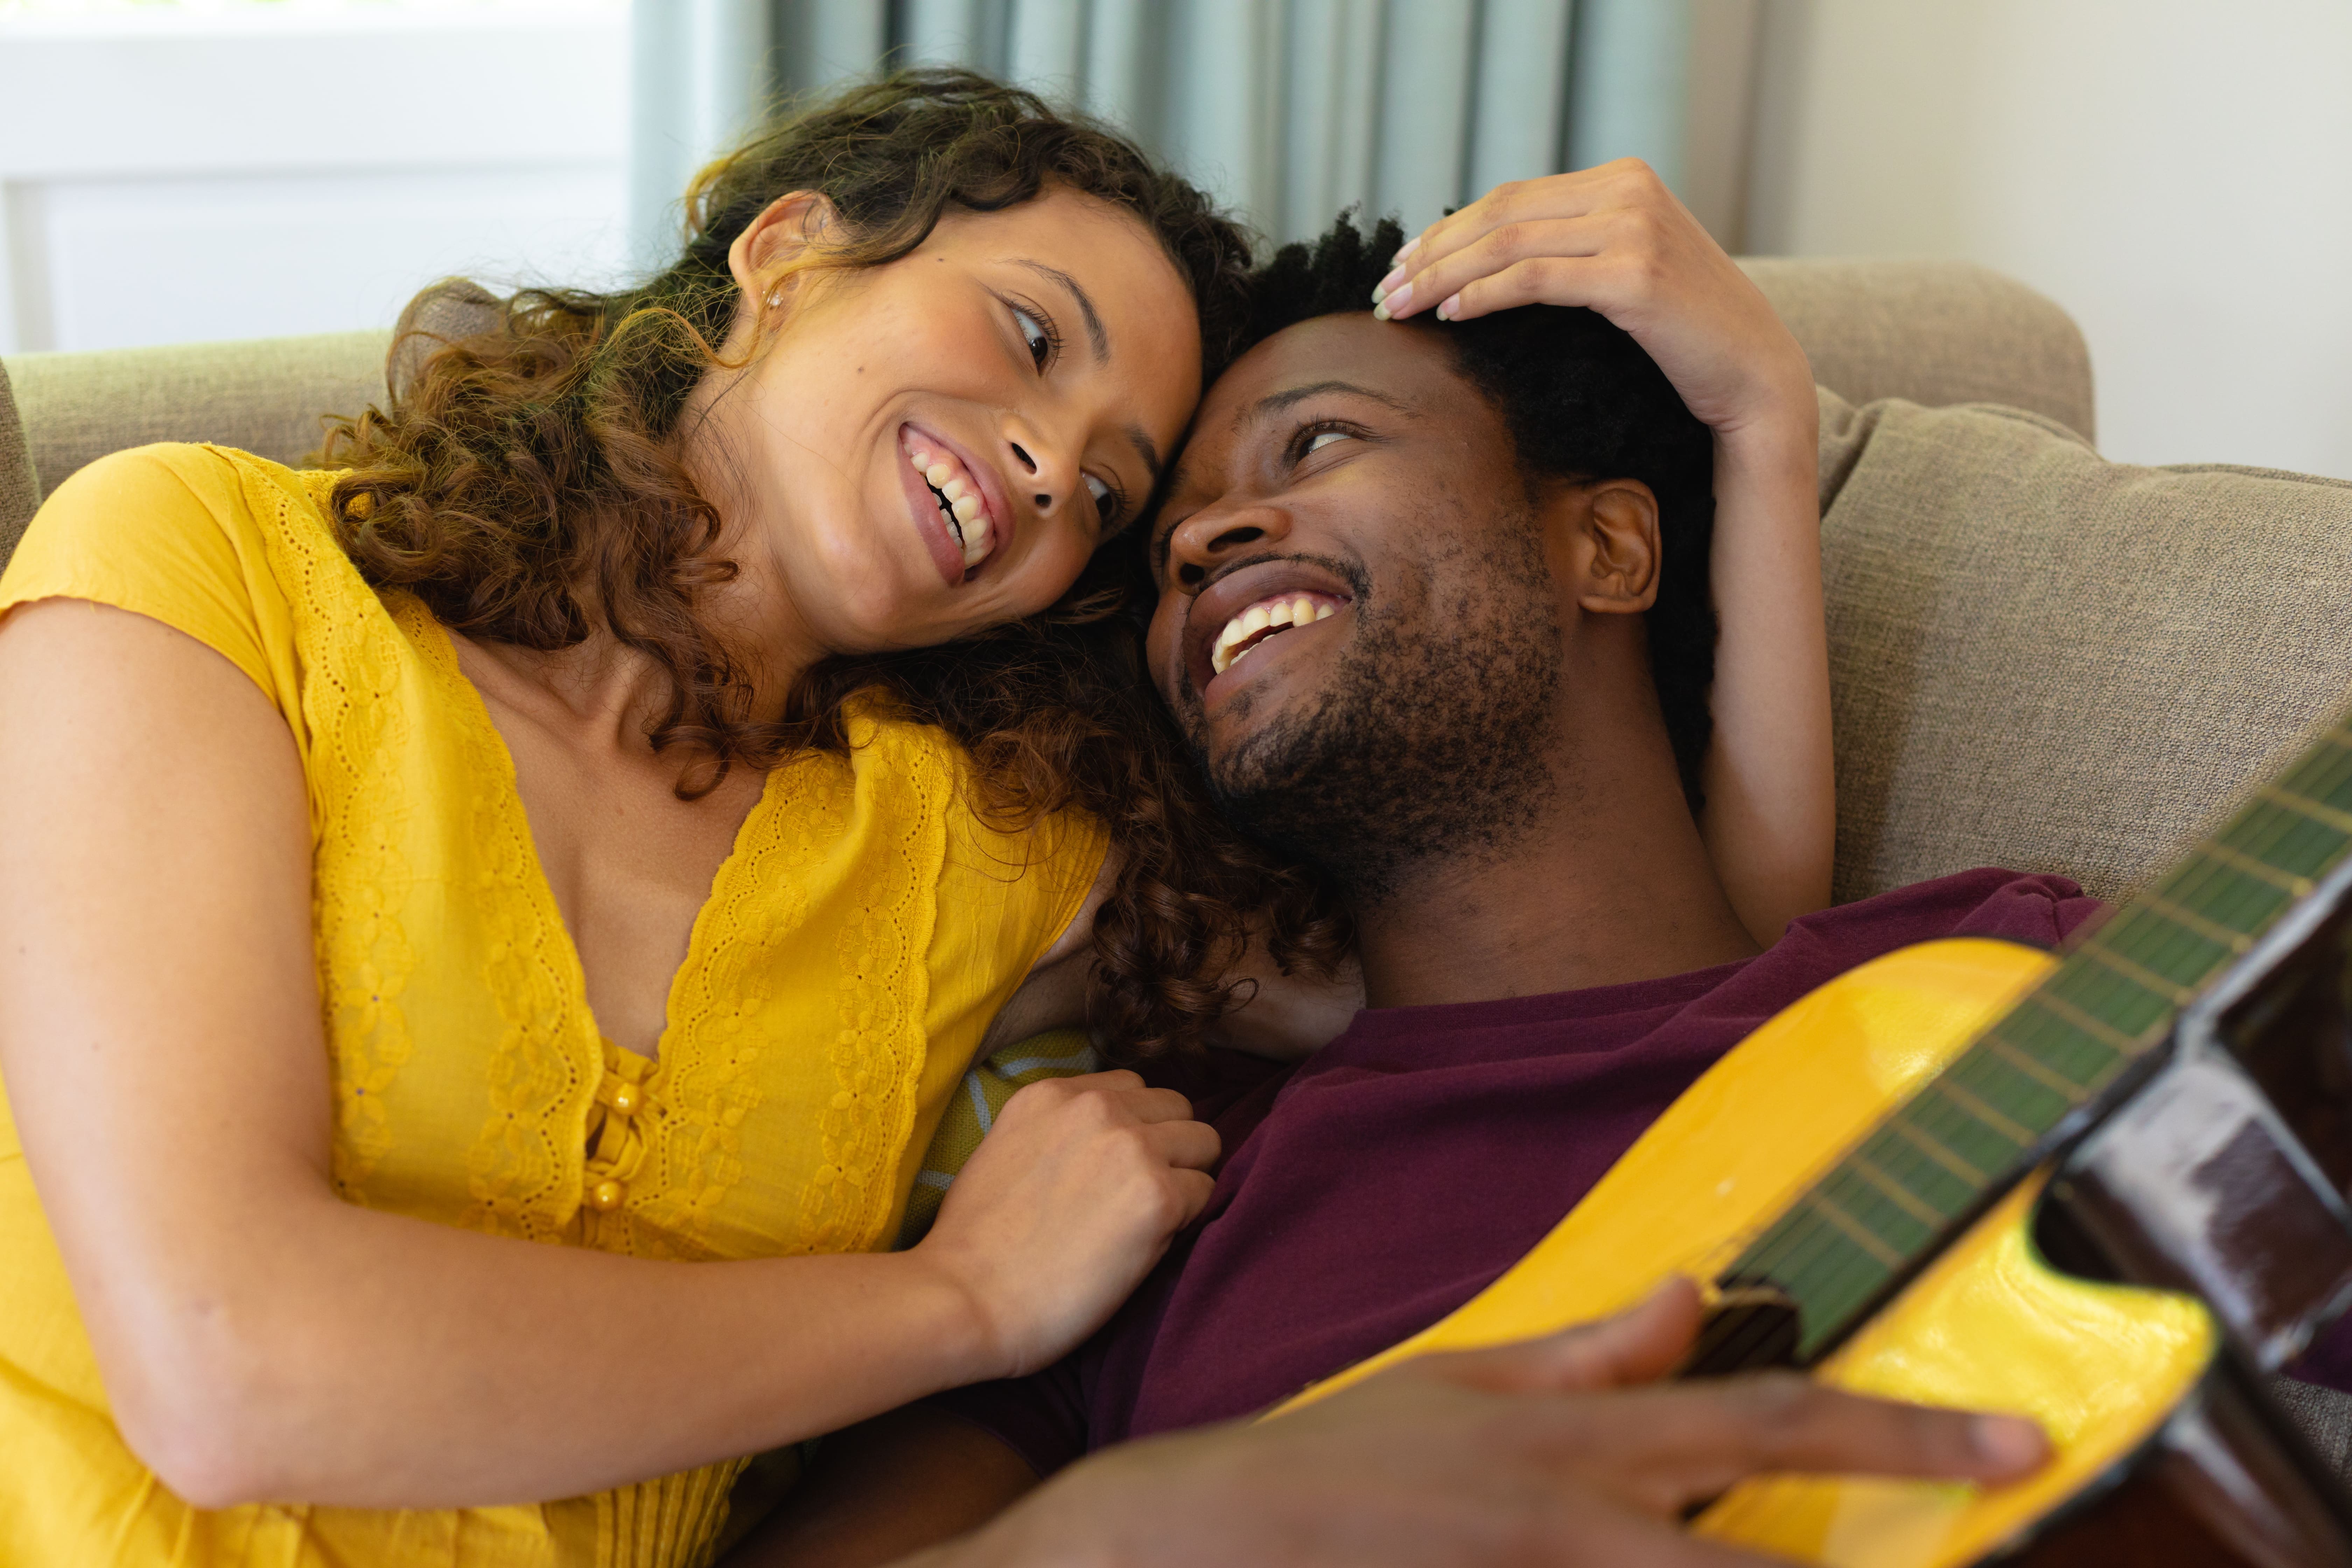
(777, 246)
(1617, 548)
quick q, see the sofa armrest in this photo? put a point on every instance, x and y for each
(1932, 333)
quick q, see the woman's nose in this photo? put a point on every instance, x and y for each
(1040, 476)
(1218, 534)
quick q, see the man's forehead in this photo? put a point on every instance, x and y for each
(1404, 368)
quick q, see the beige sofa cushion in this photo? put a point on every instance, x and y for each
(2045, 660)
(267, 396)
(1937, 332)
(20, 486)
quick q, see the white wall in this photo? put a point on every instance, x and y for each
(195, 172)
(2177, 173)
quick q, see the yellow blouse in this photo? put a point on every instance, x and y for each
(858, 942)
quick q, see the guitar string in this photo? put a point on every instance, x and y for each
(1799, 1247)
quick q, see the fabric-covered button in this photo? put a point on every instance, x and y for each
(607, 1197)
(626, 1097)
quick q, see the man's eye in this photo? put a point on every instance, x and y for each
(1035, 333)
(1324, 439)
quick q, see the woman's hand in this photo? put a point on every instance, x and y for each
(1613, 238)
(1069, 1201)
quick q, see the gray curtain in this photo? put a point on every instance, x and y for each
(1288, 110)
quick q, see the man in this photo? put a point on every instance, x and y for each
(1490, 746)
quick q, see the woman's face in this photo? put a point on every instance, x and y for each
(923, 448)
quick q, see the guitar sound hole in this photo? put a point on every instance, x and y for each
(1751, 1327)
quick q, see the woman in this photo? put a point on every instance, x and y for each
(563, 838)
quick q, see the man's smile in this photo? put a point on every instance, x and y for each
(1248, 608)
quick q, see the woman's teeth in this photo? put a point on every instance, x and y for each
(959, 503)
(1246, 633)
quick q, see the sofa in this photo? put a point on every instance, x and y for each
(2039, 658)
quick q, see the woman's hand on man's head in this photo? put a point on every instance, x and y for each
(1613, 238)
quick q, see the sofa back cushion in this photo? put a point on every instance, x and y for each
(20, 487)
(2045, 660)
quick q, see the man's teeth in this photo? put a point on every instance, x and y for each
(1293, 610)
(967, 515)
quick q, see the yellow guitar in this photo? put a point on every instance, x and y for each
(1872, 1184)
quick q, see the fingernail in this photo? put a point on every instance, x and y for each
(2011, 1443)
(1395, 299)
(1395, 277)
(1379, 312)
(1410, 247)
(1446, 312)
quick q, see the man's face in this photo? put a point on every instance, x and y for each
(1358, 630)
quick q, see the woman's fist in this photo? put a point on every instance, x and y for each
(1071, 1198)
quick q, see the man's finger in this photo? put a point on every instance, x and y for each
(1638, 1345)
(1691, 1440)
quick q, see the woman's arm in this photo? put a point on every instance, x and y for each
(1615, 240)
(260, 1340)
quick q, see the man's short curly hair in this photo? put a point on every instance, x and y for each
(1581, 400)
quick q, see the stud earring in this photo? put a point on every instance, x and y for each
(775, 297)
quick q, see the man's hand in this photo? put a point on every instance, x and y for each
(1615, 240)
(1560, 1451)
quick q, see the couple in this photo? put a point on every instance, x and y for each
(613, 808)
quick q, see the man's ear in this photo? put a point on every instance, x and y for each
(1615, 550)
(777, 246)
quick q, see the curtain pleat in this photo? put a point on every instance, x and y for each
(1289, 110)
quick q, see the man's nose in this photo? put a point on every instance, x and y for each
(1218, 534)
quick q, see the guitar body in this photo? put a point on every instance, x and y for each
(1986, 1325)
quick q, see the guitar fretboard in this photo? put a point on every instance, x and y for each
(1980, 1124)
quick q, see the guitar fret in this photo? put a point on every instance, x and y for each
(2129, 1045)
(1899, 1193)
(2099, 951)
(1855, 1231)
(2057, 1083)
(2286, 883)
(2236, 942)
(1933, 1147)
(1993, 1120)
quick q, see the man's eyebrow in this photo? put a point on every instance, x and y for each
(1275, 403)
(1095, 333)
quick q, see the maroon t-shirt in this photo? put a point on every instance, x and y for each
(1380, 1183)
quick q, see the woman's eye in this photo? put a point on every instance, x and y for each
(1034, 334)
(1324, 439)
(1105, 498)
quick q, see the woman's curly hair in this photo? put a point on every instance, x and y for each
(527, 484)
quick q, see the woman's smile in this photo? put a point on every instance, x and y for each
(958, 504)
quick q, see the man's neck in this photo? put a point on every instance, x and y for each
(1611, 883)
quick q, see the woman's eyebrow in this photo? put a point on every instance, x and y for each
(1095, 333)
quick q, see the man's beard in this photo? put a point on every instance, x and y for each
(1428, 743)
